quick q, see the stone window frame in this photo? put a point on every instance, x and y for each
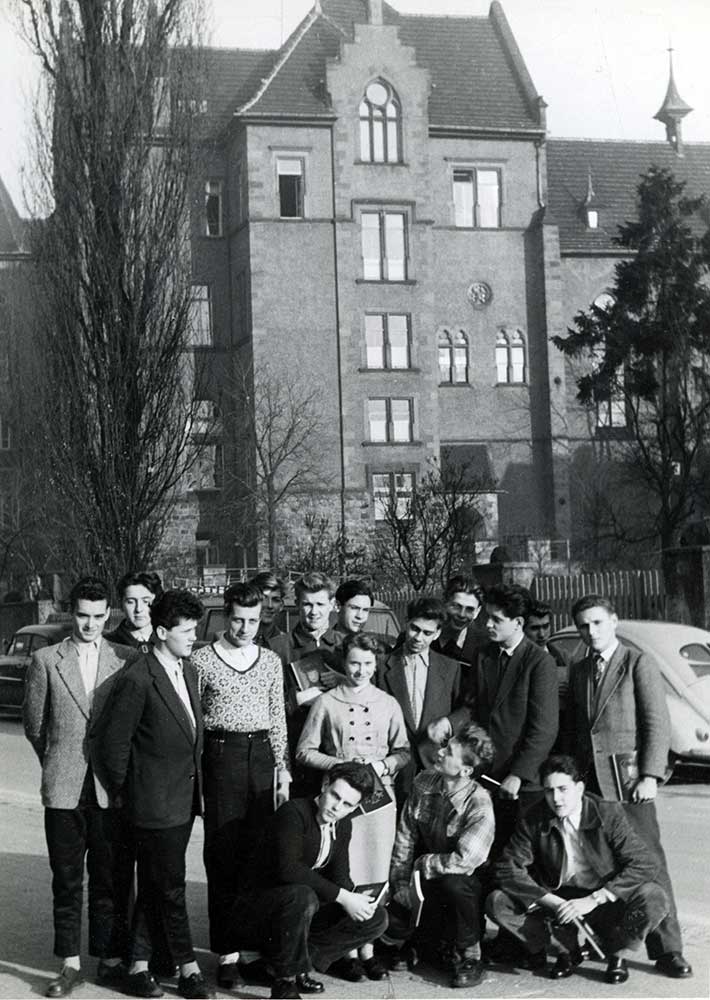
(451, 340)
(391, 474)
(386, 345)
(389, 422)
(384, 118)
(510, 344)
(384, 271)
(473, 169)
(214, 208)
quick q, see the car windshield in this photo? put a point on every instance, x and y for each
(698, 656)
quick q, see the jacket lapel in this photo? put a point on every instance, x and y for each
(108, 664)
(434, 683)
(509, 674)
(611, 677)
(194, 692)
(68, 668)
(398, 686)
(169, 695)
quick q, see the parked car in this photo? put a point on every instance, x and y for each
(682, 654)
(382, 620)
(14, 664)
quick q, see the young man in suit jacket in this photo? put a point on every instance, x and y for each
(511, 691)
(66, 691)
(297, 903)
(464, 631)
(426, 685)
(150, 743)
(616, 704)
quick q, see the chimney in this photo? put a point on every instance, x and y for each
(375, 11)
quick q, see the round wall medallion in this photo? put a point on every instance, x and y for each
(479, 294)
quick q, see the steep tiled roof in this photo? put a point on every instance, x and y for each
(12, 227)
(478, 78)
(616, 167)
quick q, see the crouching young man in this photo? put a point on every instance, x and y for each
(445, 833)
(575, 857)
(297, 905)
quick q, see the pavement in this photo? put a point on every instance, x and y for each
(26, 960)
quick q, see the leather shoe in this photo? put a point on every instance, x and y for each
(536, 961)
(284, 989)
(304, 984)
(349, 969)
(194, 987)
(674, 965)
(468, 973)
(106, 974)
(565, 964)
(374, 968)
(616, 971)
(228, 976)
(141, 984)
(65, 982)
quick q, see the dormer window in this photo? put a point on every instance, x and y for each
(592, 218)
(380, 124)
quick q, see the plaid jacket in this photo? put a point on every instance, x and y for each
(442, 835)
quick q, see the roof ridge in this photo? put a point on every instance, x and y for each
(444, 17)
(234, 48)
(636, 142)
(290, 47)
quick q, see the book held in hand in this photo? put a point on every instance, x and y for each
(380, 796)
(625, 768)
(376, 890)
(309, 669)
(416, 896)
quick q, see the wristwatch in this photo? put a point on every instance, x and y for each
(599, 896)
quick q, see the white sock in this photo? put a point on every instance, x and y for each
(71, 962)
(231, 958)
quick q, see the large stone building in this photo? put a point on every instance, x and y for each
(386, 220)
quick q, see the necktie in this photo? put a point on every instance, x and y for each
(598, 670)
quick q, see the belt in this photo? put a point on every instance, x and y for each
(228, 736)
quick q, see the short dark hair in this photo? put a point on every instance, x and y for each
(269, 581)
(476, 745)
(311, 583)
(427, 607)
(353, 588)
(174, 605)
(361, 640)
(88, 588)
(358, 776)
(145, 578)
(245, 595)
(560, 763)
(591, 601)
(539, 610)
(463, 585)
(512, 599)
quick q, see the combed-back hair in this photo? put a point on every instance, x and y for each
(540, 609)
(174, 605)
(463, 585)
(561, 763)
(88, 588)
(244, 595)
(592, 601)
(427, 607)
(361, 640)
(512, 599)
(476, 745)
(353, 588)
(144, 578)
(358, 776)
(269, 581)
(311, 583)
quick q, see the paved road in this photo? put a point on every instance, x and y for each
(26, 959)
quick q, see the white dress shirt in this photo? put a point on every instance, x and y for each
(416, 669)
(88, 653)
(173, 668)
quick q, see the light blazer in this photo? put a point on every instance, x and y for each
(441, 697)
(629, 712)
(57, 718)
(147, 745)
(521, 714)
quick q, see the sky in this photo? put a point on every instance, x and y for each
(602, 67)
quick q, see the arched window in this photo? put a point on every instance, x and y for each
(453, 356)
(380, 121)
(611, 406)
(511, 361)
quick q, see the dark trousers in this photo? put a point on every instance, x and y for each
(619, 924)
(452, 912)
(160, 913)
(92, 834)
(667, 936)
(294, 932)
(238, 776)
(508, 812)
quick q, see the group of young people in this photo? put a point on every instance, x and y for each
(365, 803)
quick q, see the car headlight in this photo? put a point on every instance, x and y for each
(702, 735)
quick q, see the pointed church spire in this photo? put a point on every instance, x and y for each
(673, 111)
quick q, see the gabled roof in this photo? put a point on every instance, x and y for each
(12, 227)
(477, 74)
(615, 168)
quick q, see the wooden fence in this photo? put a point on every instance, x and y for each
(635, 593)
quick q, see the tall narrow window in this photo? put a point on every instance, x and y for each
(291, 187)
(213, 208)
(387, 340)
(384, 246)
(453, 356)
(511, 361)
(380, 121)
(391, 488)
(476, 198)
(200, 318)
(611, 406)
(5, 435)
(390, 420)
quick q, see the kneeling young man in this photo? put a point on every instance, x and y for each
(575, 857)
(446, 832)
(297, 905)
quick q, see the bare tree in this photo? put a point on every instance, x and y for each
(116, 136)
(428, 533)
(280, 432)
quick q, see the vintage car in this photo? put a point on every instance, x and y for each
(13, 665)
(682, 653)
